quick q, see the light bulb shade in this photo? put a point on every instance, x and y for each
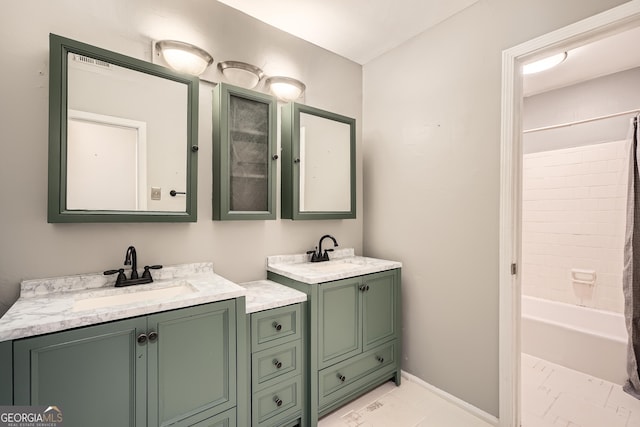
(544, 63)
(285, 88)
(184, 57)
(241, 73)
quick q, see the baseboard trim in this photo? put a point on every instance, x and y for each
(484, 416)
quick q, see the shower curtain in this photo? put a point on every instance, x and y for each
(631, 273)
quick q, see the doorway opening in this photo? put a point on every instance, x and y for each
(573, 37)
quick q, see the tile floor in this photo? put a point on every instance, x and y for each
(554, 396)
(410, 405)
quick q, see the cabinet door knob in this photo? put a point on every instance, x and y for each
(274, 157)
(142, 338)
(380, 359)
(153, 336)
(363, 288)
(277, 363)
(341, 377)
(277, 400)
(366, 287)
(277, 326)
(296, 160)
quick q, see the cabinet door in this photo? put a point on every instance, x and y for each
(244, 154)
(192, 363)
(379, 308)
(95, 375)
(339, 321)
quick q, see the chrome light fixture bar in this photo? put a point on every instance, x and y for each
(184, 57)
(241, 73)
(285, 88)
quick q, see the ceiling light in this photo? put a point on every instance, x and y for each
(184, 57)
(285, 88)
(544, 64)
(241, 73)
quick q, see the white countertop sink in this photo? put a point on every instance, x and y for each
(60, 303)
(133, 294)
(343, 264)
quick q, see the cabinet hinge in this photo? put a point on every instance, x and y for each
(514, 269)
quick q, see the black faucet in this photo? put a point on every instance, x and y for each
(131, 258)
(319, 255)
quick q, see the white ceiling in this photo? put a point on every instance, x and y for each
(359, 30)
(609, 55)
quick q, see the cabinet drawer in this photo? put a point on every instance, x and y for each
(275, 327)
(346, 377)
(225, 419)
(276, 403)
(276, 363)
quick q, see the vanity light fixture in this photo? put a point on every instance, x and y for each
(184, 57)
(241, 73)
(285, 88)
(544, 63)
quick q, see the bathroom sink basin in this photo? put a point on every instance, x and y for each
(337, 266)
(122, 296)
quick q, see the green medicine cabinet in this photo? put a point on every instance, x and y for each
(318, 164)
(122, 138)
(244, 154)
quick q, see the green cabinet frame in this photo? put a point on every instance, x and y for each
(278, 366)
(354, 324)
(290, 141)
(236, 148)
(107, 374)
(59, 48)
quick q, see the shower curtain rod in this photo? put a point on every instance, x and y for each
(577, 122)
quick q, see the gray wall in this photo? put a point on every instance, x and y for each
(31, 248)
(605, 95)
(431, 178)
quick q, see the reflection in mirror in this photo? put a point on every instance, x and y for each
(325, 165)
(121, 135)
(318, 164)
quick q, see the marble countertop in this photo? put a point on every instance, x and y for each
(56, 304)
(343, 263)
(265, 294)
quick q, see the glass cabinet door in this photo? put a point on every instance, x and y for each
(244, 154)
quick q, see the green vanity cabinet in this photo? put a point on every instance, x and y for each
(244, 154)
(354, 336)
(173, 368)
(277, 367)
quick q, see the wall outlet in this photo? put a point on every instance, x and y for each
(156, 193)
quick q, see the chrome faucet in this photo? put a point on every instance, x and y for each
(318, 255)
(131, 258)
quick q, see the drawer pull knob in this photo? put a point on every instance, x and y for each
(341, 377)
(277, 400)
(277, 363)
(153, 336)
(363, 288)
(142, 338)
(277, 325)
(366, 287)
(380, 359)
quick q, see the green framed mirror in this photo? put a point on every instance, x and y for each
(122, 138)
(318, 164)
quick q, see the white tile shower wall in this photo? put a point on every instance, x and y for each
(573, 217)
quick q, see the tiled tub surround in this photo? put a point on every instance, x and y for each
(343, 264)
(265, 294)
(573, 217)
(47, 305)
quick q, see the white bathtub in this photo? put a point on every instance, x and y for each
(587, 340)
